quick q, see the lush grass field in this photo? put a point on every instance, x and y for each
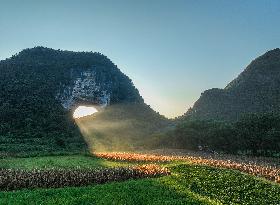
(188, 184)
(63, 161)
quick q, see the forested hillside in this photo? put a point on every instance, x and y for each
(255, 90)
(40, 88)
(253, 134)
(242, 118)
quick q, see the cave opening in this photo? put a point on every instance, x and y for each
(82, 111)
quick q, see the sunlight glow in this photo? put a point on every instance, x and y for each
(83, 111)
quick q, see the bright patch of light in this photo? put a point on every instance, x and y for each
(83, 111)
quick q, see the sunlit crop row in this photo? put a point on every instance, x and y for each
(11, 179)
(152, 170)
(268, 172)
(122, 156)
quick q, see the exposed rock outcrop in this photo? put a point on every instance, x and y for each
(84, 88)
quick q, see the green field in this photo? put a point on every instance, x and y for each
(67, 161)
(188, 184)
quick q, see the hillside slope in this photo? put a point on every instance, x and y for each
(255, 90)
(122, 127)
(41, 87)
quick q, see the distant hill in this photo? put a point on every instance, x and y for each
(255, 90)
(41, 87)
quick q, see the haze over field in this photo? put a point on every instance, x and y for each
(171, 51)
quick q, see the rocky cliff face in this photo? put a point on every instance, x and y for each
(84, 88)
(255, 90)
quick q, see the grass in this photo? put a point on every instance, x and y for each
(269, 172)
(188, 184)
(228, 186)
(63, 161)
(130, 192)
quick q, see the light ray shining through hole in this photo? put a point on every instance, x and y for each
(83, 111)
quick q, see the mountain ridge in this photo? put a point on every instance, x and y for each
(255, 90)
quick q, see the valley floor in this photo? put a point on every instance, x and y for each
(188, 183)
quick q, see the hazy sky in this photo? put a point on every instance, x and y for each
(172, 50)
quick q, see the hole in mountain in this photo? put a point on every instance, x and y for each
(83, 111)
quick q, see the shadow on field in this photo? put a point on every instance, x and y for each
(188, 184)
(146, 191)
(224, 185)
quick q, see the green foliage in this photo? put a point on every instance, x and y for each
(259, 133)
(32, 120)
(57, 162)
(227, 186)
(129, 192)
(255, 134)
(188, 184)
(255, 90)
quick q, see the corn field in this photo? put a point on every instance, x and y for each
(269, 172)
(13, 179)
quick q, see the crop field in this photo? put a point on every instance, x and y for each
(269, 172)
(55, 178)
(127, 178)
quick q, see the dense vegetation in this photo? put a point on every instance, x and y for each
(255, 90)
(253, 134)
(187, 184)
(33, 121)
(267, 168)
(14, 179)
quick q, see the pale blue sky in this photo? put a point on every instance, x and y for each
(172, 50)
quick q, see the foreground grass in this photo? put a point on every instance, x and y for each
(130, 192)
(227, 186)
(188, 184)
